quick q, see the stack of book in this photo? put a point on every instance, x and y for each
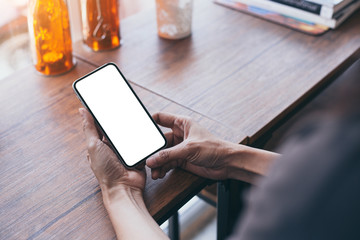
(323, 14)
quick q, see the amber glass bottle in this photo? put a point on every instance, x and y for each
(100, 24)
(50, 36)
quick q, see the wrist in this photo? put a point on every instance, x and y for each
(115, 194)
(241, 158)
(233, 154)
(127, 211)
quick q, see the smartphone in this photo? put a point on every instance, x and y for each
(120, 115)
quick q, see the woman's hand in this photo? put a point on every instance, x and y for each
(190, 147)
(109, 172)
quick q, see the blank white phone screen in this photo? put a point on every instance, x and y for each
(120, 114)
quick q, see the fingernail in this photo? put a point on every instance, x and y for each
(81, 111)
(148, 160)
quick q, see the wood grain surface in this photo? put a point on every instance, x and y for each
(237, 75)
(47, 188)
(239, 70)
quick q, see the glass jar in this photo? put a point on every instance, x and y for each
(174, 18)
(50, 36)
(100, 24)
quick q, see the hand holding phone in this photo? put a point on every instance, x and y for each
(119, 113)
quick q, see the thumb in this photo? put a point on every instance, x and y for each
(89, 128)
(167, 155)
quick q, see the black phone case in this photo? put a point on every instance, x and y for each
(99, 125)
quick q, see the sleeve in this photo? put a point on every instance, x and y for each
(313, 191)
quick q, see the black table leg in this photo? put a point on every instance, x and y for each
(174, 227)
(230, 203)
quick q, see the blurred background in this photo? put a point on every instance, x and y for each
(197, 218)
(14, 40)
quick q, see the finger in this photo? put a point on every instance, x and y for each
(155, 173)
(162, 174)
(169, 138)
(104, 139)
(167, 167)
(141, 166)
(166, 119)
(90, 130)
(99, 131)
(167, 155)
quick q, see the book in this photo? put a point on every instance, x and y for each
(302, 4)
(330, 3)
(293, 23)
(337, 19)
(345, 13)
(317, 6)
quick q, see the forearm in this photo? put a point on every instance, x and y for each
(129, 215)
(240, 157)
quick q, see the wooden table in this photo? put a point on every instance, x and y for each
(237, 75)
(47, 187)
(241, 71)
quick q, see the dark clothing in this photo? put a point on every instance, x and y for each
(313, 190)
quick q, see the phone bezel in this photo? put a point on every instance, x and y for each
(99, 125)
